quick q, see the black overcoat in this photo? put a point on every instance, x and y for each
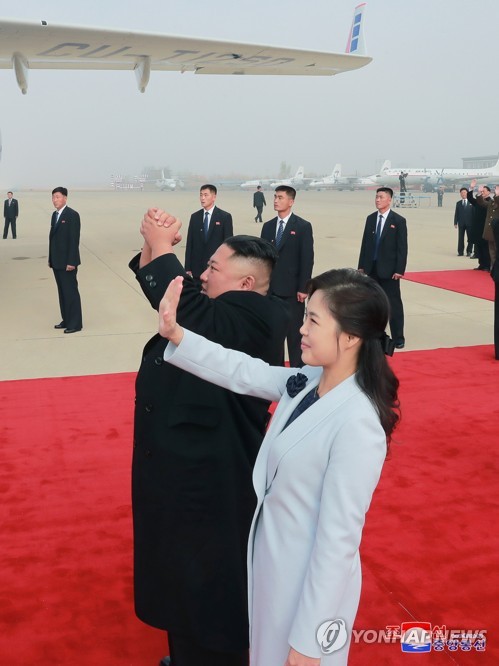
(194, 449)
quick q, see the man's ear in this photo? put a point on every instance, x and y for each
(248, 283)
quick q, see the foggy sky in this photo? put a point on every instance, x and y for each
(429, 98)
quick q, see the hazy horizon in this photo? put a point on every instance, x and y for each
(428, 98)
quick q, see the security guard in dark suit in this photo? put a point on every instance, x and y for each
(383, 256)
(293, 238)
(208, 228)
(10, 213)
(64, 259)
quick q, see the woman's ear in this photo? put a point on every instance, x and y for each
(352, 340)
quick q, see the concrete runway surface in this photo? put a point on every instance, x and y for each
(117, 319)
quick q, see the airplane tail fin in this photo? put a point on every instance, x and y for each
(336, 172)
(386, 165)
(495, 168)
(356, 43)
(300, 173)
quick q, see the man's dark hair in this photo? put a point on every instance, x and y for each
(290, 191)
(486, 187)
(9, 192)
(385, 189)
(62, 190)
(212, 188)
(463, 188)
(252, 247)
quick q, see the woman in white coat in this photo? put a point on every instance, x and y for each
(318, 466)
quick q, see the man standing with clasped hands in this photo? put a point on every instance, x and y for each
(64, 259)
(383, 256)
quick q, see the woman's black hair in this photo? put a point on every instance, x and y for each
(361, 308)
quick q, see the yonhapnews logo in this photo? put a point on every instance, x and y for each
(332, 635)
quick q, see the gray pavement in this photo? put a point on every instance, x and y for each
(117, 319)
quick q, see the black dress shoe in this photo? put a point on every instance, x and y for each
(61, 325)
(166, 661)
(399, 345)
(72, 330)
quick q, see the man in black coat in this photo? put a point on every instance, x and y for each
(293, 238)
(383, 256)
(479, 219)
(258, 203)
(10, 213)
(64, 259)
(194, 449)
(463, 219)
(208, 228)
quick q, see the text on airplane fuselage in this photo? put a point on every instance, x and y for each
(80, 50)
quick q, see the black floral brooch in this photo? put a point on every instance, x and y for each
(296, 383)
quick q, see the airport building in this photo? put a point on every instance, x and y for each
(482, 162)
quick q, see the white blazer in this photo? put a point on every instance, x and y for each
(314, 482)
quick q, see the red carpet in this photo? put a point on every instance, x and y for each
(431, 543)
(472, 283)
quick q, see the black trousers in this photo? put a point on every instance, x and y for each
(12, 222)
(461, 230)
(259, 211)
(392, 290)
(184, 651)
(293, 336)
(482, 251)
(69, 297)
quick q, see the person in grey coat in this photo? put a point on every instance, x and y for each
(318, 465)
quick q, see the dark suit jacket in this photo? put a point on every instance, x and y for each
(296, 256)
(64, 240)
(259, 199)
(463, 215)
(198, 250)
(392, 251)
(12, 211)
(194, 449)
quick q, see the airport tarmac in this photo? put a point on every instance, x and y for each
(117, 319)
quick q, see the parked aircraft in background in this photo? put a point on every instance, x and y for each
(298, 181)
(26, 45)
(328, 182)
(338, 182)
(253, 184)
(429, 177)
(168, 183)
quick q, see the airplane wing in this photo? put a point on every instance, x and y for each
(28, 45)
